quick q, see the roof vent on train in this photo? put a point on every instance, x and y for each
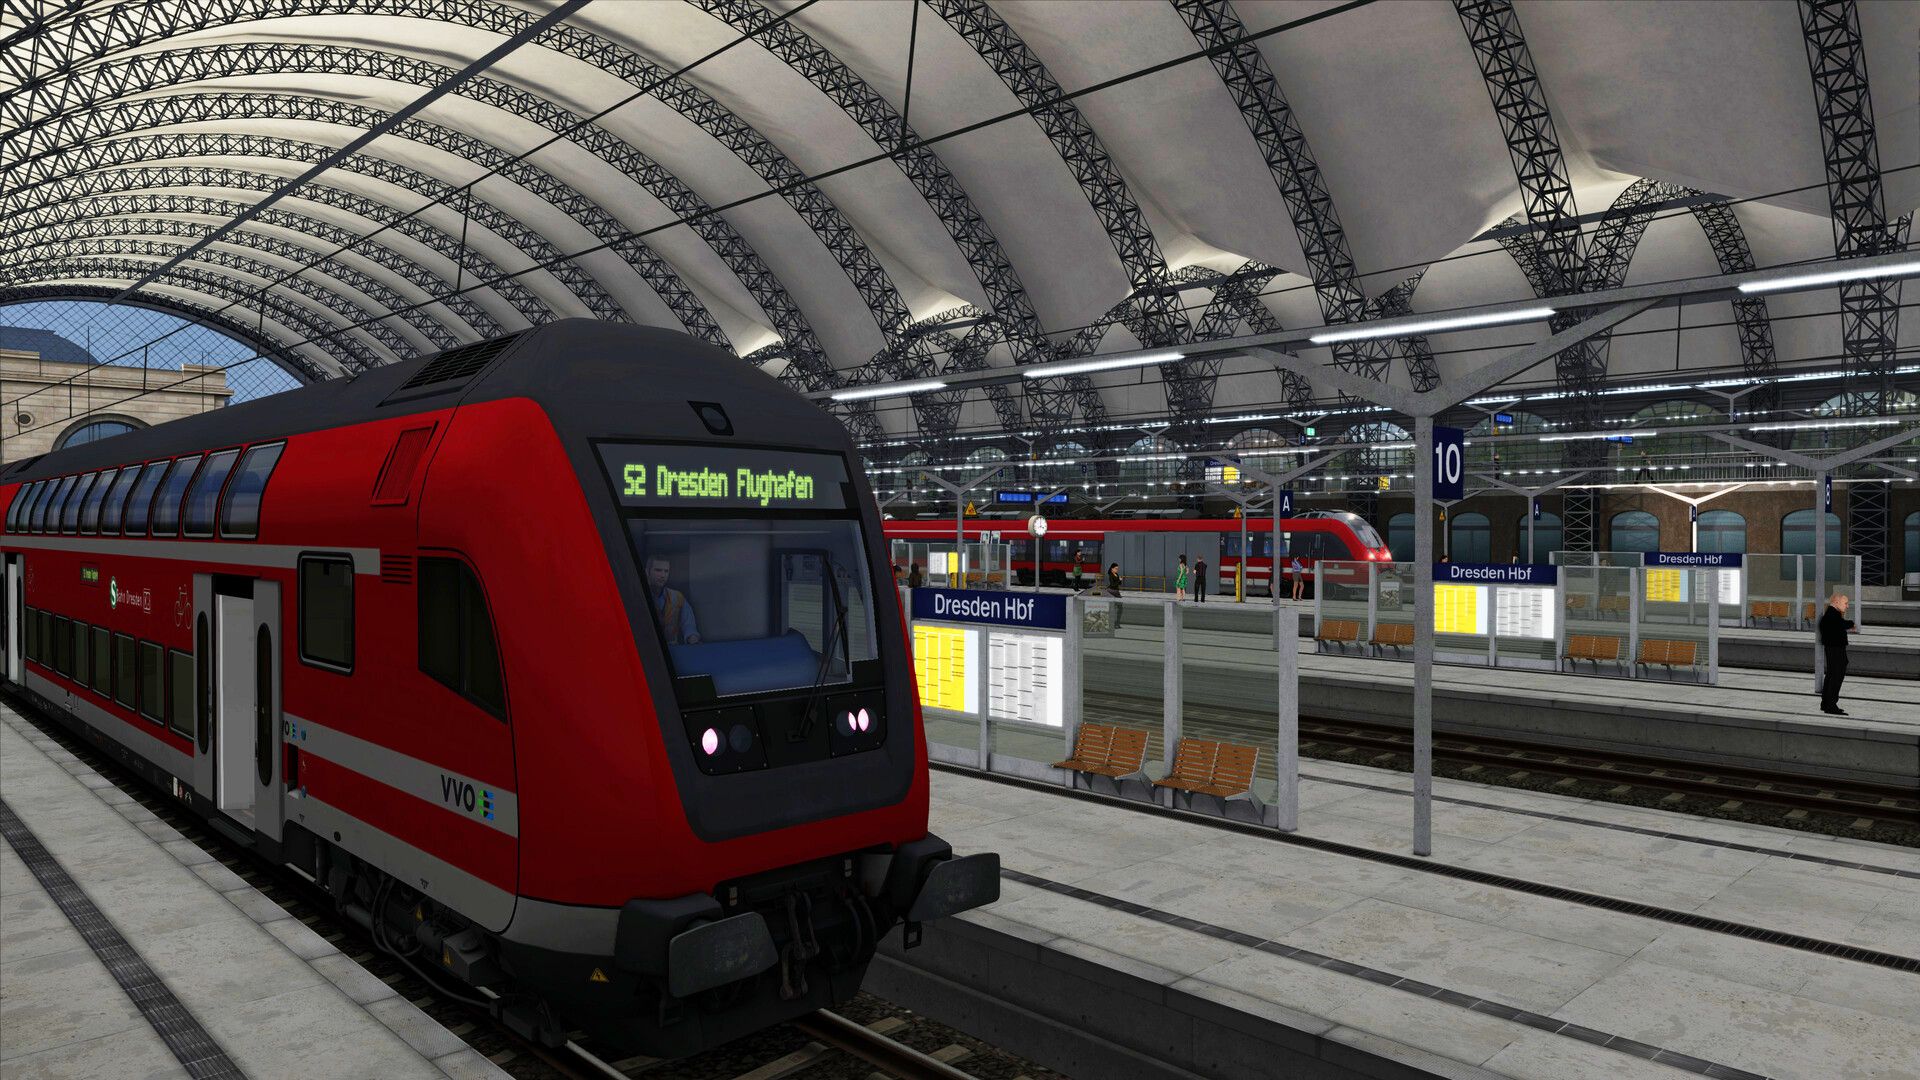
(452, 369)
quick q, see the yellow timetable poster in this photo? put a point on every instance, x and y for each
(1666, 586)
(1457, 609)
(940, 666)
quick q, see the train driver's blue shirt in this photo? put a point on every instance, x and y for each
(676, 617)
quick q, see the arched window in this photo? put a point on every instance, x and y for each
(1634, 530)
(1400, 537)
(1796, 534)
(1472, 538)
(95, 430)
(1547, 537)
(1245, 445)
(1532, 454)
(1147, 459)
(1722, 531)
(1071, 465)
(985, 456)
(1381, 461)
(1673, 414)
(1912, 563)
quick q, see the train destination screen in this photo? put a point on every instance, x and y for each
(724, 477)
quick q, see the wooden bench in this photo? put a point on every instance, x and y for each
(1576, 602)
(1107, 751)
(1220, 773)
(1340, 632)
(1668, 654)
(1615, 605)
(1592, 647)
(1397, 635)
(1770, 610)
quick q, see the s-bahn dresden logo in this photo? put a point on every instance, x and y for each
(143, 600)
(113, 592)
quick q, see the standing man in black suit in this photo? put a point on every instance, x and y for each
(1834, 627)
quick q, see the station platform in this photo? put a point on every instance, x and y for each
(128, 951)
(1546, 937)
(1751, 719)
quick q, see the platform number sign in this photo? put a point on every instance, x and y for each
(1449, 459)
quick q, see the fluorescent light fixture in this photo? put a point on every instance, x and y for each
(1102, 363)
(889, 390)
(1595, 435)
(1816, 425)
(1831, 277)
(1431, 326)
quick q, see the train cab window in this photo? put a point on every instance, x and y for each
(240, 507)
(166, 501)
(456, 635)
(102, 675)
(110, 511)
(326, 611)
(96, 498)
(141, 501)
(49, 508)
(180, 692)
(153, 685)
(123, 669)
(204, 496)
(70, 511)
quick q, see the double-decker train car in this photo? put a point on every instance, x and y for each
(1147, 548)
(556, 659)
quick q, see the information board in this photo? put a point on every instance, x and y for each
(1024, 679)
(681, 477)
(940, 657)
(1459, 609)
(1033, 611)
(1524, 612)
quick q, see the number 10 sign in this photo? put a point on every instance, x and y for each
(1449, 472)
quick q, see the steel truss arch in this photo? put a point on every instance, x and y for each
(825, 220)
(140, 187)
(217, 286)
(114, 231)
(1161, 322)
(1236, 299)
(152, 71)
(211, 260)
(256, 338)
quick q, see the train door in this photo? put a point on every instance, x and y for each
(234, 682)
(13, 620)
(266, 761)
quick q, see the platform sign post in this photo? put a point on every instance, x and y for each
(1286, 796)
(1823, 505)
(1425, 453)
(1449, 464)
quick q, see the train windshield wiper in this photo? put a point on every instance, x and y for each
(837, 636)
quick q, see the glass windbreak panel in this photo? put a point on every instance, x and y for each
(1229, 704)
(96, 497)
(240, 507)
(758, 604)
(110, 513)
(141, 501)
(204, 496)
(166, 502)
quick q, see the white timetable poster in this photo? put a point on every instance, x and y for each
(1023, 678)
(1524, 612)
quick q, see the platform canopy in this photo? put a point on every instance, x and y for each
(873, 191)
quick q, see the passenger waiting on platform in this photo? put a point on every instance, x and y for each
(896, 575)
(1834, 627)
(1180, 579)
(916, 577)
(1200, 581)
(1113, 578)
(676, 615)
(1646, 468)
(1299, 571)
(1079, 570)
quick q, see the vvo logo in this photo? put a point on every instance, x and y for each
(464, 795)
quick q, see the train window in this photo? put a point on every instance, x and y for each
(63, 645)
(141, 501)
(70, 510)
(166, 501)
(1335, 548)
(103, 661)
(123, 670)
(263, 704)
(96, 497)
(204, 496)
(153, 685)
(203, 681)
(110, 513)
(758, 604)
(326, 611)
(20, 518)
(32, 642)
(82, 637)
(180, 692)
(456, 635)
(49, 508)
(240, 508)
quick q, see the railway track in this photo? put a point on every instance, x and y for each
(869, 1038)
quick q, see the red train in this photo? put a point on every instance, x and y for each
(554, 658)
(1147, 548)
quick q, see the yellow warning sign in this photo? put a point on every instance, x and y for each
(597, 976)
(971, 511)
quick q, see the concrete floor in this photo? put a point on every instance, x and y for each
(280, 1000)
(1765, 1009)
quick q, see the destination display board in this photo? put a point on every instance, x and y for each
(1024, 680)
(654, 476)
(1524, 612)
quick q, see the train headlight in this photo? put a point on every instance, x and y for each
(726, 740)
(710, 742)
(858, 723)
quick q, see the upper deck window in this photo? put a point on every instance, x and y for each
(141, 501)
(56, 489)
(18, 514)
(96, 497)
(204, 496)
(70, 510)
(240, 508)
(110, 514)
(166, 501)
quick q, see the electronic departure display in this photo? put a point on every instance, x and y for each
(723, 477)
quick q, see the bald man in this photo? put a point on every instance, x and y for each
(1834, 626)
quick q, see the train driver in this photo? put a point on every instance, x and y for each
(676, 615)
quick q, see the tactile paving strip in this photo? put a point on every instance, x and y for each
(191, 1044)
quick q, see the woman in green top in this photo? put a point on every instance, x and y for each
(1180, 580)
